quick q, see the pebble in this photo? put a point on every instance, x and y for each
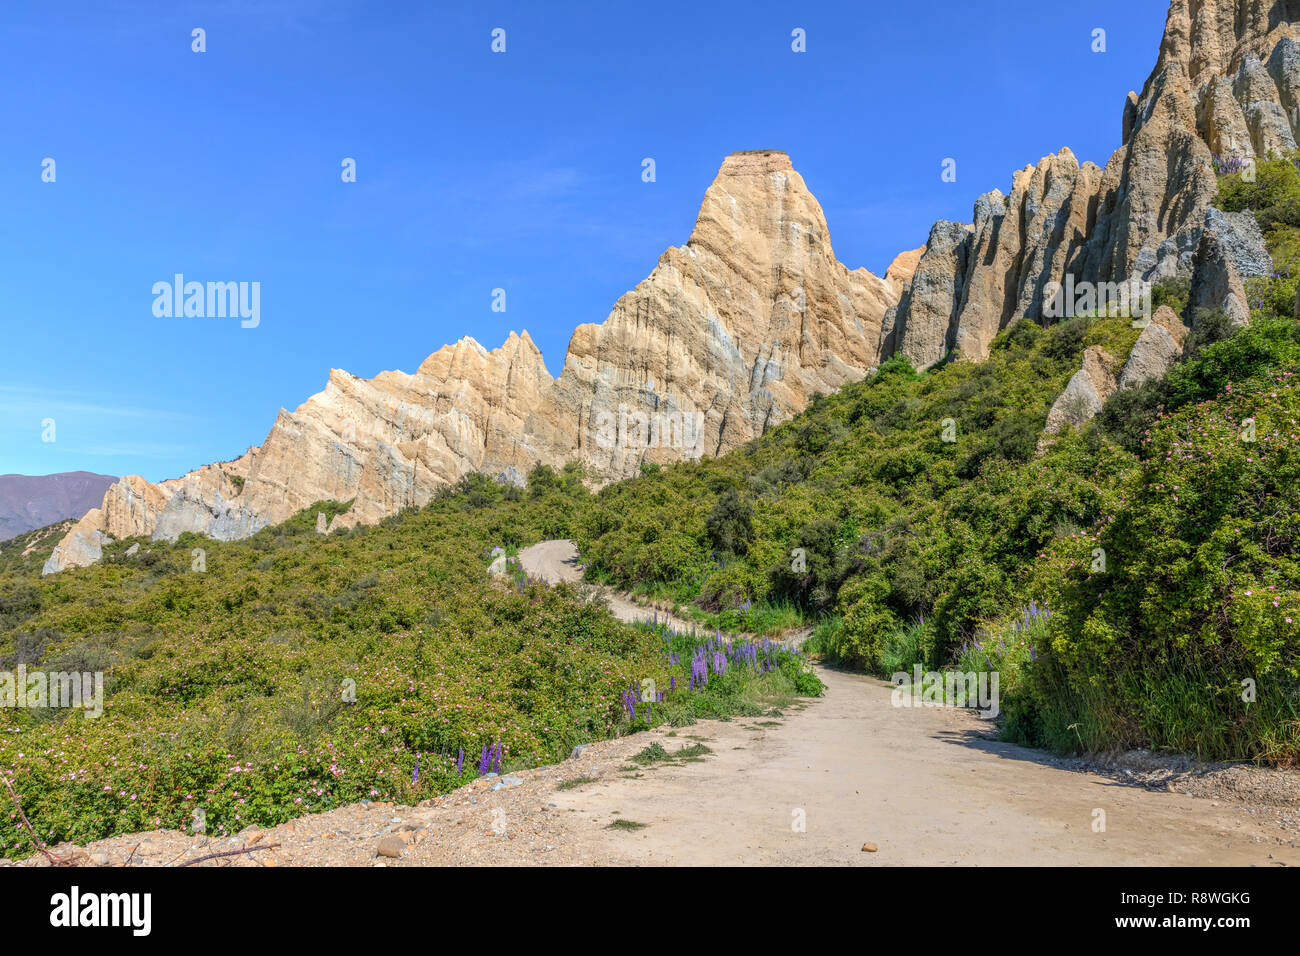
(869, 848)
(390, 846)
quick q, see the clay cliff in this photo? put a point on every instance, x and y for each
(1227, 83)
(733, 332)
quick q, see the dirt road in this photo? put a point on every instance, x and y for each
(557, 560)
(926, 785)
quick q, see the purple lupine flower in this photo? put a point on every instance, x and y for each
(460, 760)
(483, 761)
(1033, 655)
(416, 776)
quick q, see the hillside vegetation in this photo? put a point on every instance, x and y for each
(1136, 583)
(258, 680)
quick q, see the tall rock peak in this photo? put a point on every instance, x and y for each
(730, 335)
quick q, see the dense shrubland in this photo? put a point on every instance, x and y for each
(224, 688)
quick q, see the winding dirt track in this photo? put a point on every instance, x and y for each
(925, 785)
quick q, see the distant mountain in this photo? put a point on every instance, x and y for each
(28, 502)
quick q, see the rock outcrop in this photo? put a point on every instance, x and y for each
(1087, 392)
(1215, 283)
(731, 334)
(1227, 82)
(1160, 345)
(935, 294)
(1243, 239)
(900, 271)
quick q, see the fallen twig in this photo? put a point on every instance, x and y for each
(214, 856)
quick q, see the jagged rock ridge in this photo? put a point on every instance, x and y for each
(731, 334)
(1227, 82)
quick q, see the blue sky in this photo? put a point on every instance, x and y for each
(475, 171)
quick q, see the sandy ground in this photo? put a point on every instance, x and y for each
(556, 561)
(811, 786)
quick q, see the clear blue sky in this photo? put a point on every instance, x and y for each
(475, 171)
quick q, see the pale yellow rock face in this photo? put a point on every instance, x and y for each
(1086, 393)
(1227, 82)
(735, 331)
(1020, 243)
(900, 271)
(1161, 343)
(731, 334)
(131, 507)
(1209, 38)
(82, 545)
(390, 442)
